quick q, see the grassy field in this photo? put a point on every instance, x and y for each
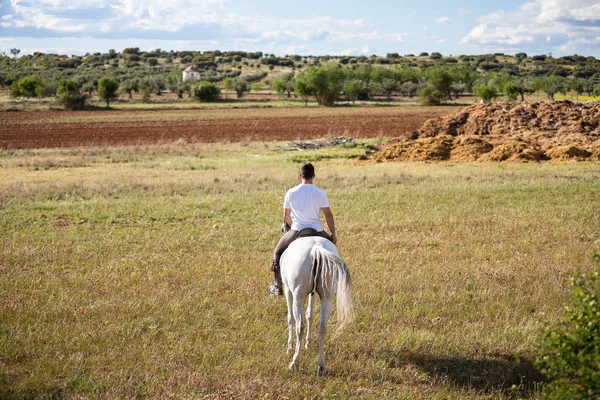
(141, 272)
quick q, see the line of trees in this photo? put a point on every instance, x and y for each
(327, 84)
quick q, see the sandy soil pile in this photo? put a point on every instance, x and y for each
(561, 131)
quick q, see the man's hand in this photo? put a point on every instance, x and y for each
(333, 238)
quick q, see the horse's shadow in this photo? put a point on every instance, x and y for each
(508, 374)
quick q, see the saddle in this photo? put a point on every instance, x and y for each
(306, 232)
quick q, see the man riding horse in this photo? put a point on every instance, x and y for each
(302, 211)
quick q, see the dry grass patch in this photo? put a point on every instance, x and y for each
(137, 276)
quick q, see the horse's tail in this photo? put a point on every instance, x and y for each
(332, 273)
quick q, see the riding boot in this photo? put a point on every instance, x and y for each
(276, 287)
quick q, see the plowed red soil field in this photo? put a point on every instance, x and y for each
(19, 130)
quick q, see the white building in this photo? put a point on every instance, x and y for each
(191, 72)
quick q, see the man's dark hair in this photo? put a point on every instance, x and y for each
(308, 171)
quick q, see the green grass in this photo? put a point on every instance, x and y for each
(142, 272)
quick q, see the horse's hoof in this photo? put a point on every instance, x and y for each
(307, 345)
(293, 365)
(322, 371)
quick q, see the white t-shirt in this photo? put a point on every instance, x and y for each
(306, 202)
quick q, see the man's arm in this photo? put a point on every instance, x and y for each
(287, 216)
(330, 222)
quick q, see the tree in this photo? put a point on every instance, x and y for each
(388, 87)
(596, 91)
(283, 84)
(439, 85)
(465, 76)
(409, 89)
(227, 85)
(577, 85)
(487, 93)
(550, 85)
(131, 50)
(29, 85)
(240, 86)
(108, 89)
(15, 52)
(130, 85)
(176, 85)
(521, 56)
(353, 89)
(325, 83)
(153, 62)
(302, 88)
(89, 88)
(588, 86)
(278, 85)
(205, 91)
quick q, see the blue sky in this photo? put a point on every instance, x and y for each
(308, 27)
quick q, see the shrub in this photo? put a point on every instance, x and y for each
(205, 91)
(486, 93)
(68, 96)
(256, 87)
(432, 96)
(45, 90)
(146, 92)
(15, 90)
(570, 355)
(511, 90)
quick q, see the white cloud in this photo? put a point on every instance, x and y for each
(352, 51)
(212, 19)
(539, 25)
(81, 45)
(441, 20)
(441, 41)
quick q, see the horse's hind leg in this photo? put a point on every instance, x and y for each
(309, 317)
(297, 309)
(290, 304)
(326, 309)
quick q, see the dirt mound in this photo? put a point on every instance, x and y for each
(434, 149)
(560, 131)
(470, 148)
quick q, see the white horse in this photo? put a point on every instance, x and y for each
(309, 265)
